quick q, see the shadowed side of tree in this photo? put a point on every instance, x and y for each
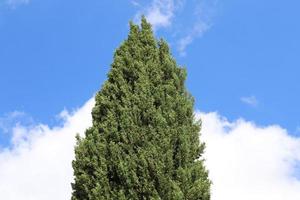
(144, 142)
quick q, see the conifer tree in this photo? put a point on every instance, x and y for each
(144, 141)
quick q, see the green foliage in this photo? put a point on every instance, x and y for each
(144, 142)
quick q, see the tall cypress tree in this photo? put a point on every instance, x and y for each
(144, 142)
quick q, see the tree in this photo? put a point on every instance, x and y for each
(144, 141)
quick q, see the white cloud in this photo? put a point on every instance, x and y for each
(135, 3)
(250, 162)
(159, 12)
(198, 30)
(170, 14)
(250, 100)
(203, 13)
(38, 165)
(245, 161)
(15, 117)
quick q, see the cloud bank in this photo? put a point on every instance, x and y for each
(245, 161)
(38, 165)
(250, 162)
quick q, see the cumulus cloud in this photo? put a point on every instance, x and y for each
(245, 161)
(250, 162)
(38, 164)
(250, 100)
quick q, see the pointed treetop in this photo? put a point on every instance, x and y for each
(147, 36)
(163, 46)
(134, 30)
(145, 24)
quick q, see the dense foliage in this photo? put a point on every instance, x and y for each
(144, 142)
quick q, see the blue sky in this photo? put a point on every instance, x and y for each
(242, 61)
(55, 55)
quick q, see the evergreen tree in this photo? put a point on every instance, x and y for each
(144, 142)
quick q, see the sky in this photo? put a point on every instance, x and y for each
(242, 62)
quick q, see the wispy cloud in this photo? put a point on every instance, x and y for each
(15, 3)
(16, 117)
(135, 3)
(197, 31)
(250, 100)
(245, 161)
(204, 12)
(170, 14)
(297, 131)
(159, 12)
